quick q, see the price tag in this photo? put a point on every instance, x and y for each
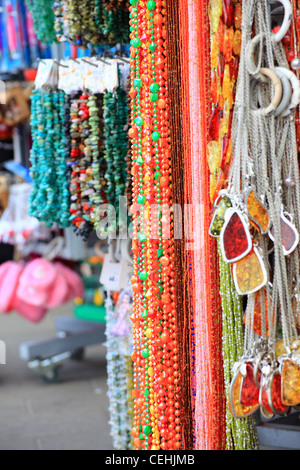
(114, 274)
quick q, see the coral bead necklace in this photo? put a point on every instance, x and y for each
(155, 356)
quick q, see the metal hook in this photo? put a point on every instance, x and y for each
(102, 60)
(90, 63)
(61, 65)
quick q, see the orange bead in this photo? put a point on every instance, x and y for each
(161, 103)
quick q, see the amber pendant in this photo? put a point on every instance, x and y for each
(249, 273)
(235, 238)
(219, 217)
(257, 323)
(290, 383)
(236, 408)
(257, 213)
(249, 393)
(289, 235)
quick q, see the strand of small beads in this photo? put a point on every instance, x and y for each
(43, 17)
(156, 376)
(115, 114)
(49, 201)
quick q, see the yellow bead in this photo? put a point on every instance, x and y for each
(148, 333)
(150, 371)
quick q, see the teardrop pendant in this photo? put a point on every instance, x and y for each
(257, 213)
(237, 410)
(235, 238)
(249, 273)
(249, 394)
(218, 219)
(289, 235)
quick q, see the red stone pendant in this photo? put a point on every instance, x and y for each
(249, 391)
(249, 273)
(289, 235)
(235, 238)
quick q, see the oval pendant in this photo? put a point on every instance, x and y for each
(290, 383)
(249, 273)
(235, 238)
(237, 410)
(219, 217)
(289, 235)
(257, 213)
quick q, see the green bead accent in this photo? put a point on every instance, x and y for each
(147, 392)
(142, 238)
(160, 252)
(152, 47)
(145, 353)
(154, 96)
(138, 82)
(139, 121)
(147, 430)
(144, 314)
(136, 42)
(154, 87)
(134, 3)
(155, 136)
(151, 5)
(141, 199)
(140, 160)
(143, 276)
(157, 175)
(161, 289)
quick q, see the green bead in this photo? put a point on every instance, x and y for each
(157, 175)
(134, 3)
(154, 96)
(142, 238)
(147, 430)
(139, 121)
(160, 288)
(146, 392)
(144, 314)
(136, 42)
(155, 136)
(154, 87)
(145, 354)
(138, 82)
(152, 47)
(141, 199)
(140, 160)
(160, 252)
(151, 5)
(143, 276)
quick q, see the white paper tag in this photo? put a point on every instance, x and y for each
(114, 274)
(47, 74)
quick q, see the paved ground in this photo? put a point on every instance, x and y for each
(71, 415)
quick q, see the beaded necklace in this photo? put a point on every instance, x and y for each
(156, 376)
(49, 201)
(43, 19)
